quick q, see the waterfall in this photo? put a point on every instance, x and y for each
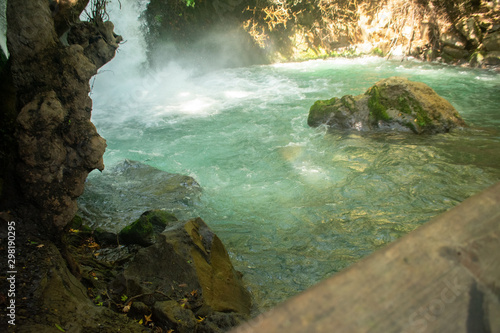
(125, 15)
(130, 57)
(127, 88)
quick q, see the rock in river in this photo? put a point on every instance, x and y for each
(120, 195)
(395, 103)
(185, 277)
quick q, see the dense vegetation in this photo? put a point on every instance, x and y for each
(283, 30)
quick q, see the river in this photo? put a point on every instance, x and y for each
(295, 204)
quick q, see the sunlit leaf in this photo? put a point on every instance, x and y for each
(59, 328)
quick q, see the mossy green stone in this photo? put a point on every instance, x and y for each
(319, 112)
(377, 109)
(76, 223)
(146, 228)
(349, 102)
(394, 103)
(403, 104)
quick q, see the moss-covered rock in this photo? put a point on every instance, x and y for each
(173, 314)
(378, 109)
(395, 103)
(320, 111)
(491, 41)
(145, 230)
(186, 274)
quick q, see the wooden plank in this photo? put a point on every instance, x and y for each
(442, 277)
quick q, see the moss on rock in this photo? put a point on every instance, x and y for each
(394, 103)
(378, 111)
(320, 111)
(145, 230)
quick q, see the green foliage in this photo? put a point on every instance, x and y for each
(59, 328)
(98, 300)
(377, 52)
(189, 3)
(158, 18)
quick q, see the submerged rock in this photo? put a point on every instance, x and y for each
(120, 195)
(395, 103)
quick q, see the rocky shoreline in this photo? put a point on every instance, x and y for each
(158, 274)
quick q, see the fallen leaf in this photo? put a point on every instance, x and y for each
(60, 328)
(126, 308)
(40, 246)
(148, 319)
(194, 292)
(200, 319)
(183, 285)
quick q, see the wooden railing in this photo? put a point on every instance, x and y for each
(442, 277)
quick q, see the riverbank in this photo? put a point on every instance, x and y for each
(235, 33)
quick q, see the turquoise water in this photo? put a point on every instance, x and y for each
(294, 204)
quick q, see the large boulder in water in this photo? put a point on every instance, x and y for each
(395, 103)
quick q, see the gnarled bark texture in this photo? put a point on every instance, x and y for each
(57, 143)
